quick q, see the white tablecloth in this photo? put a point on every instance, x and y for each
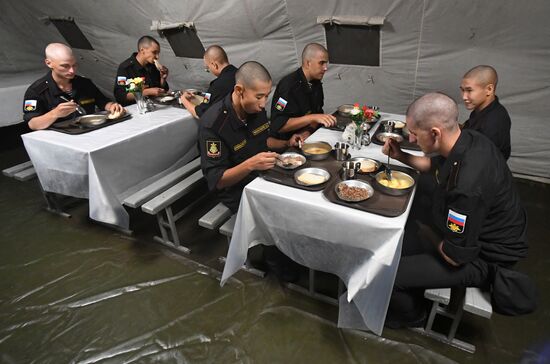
(361, 248)
(12, 92)
(108, 164)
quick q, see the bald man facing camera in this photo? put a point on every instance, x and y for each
(217, 63)
(56, 96)
(488, 116)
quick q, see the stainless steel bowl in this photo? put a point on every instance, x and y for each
(317, 156)
(296, 156)
(394, 191)
(345, 110)
(377, 164)
(385, 135)
(315, 171)
(354, 183)
(397, 124)
(91, 120)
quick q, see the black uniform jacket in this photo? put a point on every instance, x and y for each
(44, 95)
(131, 68)
(225, 141)
(476, 206)
(218, 89)
(493, 122)
(294, 97)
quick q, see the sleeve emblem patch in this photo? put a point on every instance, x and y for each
(213, 148)
(29, 105)
(456, 222)
(281, 104)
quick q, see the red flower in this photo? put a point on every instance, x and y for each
(356, 105)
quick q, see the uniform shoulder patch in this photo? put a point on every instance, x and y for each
(281, 104)
(121, 80)
(29, 105)
(456, 222)
(206, 97)
(213, 148)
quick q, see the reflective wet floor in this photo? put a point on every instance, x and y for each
(75, 291)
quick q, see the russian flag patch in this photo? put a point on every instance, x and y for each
(281, 104)
(207, 97)
(121, 80)
(456, 222)
(29, 105)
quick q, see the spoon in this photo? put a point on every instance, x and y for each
(79, 108)
(388, 170)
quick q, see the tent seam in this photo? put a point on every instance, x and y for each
(291, 31)
(418, 50)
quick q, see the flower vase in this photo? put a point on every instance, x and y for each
(141, 102)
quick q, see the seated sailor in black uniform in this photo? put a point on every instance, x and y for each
(297, 104)
(217, 63)
(56, 96)
(488, 116)
(235, 144)
(478, 223)
(143, 63)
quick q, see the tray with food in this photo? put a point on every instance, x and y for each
(86, 123)
(370, 192)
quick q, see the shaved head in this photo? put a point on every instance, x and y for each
(484, 75)
(215, 53)
(250, 73)
(58, 51)
(311, 51)
(434, 110)
(146, 41)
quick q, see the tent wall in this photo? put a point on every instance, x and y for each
(426, 45)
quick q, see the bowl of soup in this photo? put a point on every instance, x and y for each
(400, 183)
(317, 151)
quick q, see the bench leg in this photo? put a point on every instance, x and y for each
(53, 204)
(310, 291)
(169, 233)
(457, 302)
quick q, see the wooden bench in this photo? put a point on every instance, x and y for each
(21, 172)
(220, 216)
(161, 206)
(452, 303)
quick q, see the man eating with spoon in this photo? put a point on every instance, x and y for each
(62, 94)
(477, 225)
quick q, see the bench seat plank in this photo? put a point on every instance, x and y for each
(138, 198)
(227, 228)
(172, 194)
(215, 217)
(25, 174)
(10, 172)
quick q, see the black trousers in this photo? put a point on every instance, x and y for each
(422, 267)
(423, 271)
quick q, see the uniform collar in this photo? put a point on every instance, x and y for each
(54, 89)
(307, 85)
(236, 123)
(474, 115)
(226, 69)
(455, 156)
(133, 59)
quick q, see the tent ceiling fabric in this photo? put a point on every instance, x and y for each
(426, 45)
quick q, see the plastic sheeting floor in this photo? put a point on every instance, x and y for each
(74, 291)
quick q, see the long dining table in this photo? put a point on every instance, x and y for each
(108, 164)
(359, 247)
